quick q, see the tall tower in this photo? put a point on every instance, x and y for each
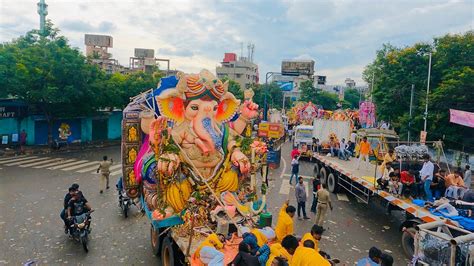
(42, 11)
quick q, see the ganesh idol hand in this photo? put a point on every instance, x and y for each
(168, 163)
(249, 109)
(240, 160)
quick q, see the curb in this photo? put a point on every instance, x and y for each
(48, 150)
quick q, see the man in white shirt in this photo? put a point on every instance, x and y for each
(385, 177)
(342, 153)
(467, 177)
(426, 175)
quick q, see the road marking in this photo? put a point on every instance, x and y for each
(111, 168)
(17, 160)
(342, 197)
(89, 169)
(39, 163)
(285, 186)
(80, 166)
(116, 172)
(29, 161)
(10, 158)
(303, 176)
(54, 164)
(68, 164)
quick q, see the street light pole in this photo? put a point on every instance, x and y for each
(411, 104)
(427, 92)
(265, 105)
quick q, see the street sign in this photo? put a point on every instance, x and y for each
(98, 40)
(144, 53)
(285, 85)
(297, 67)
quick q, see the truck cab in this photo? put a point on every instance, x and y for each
(303, 139)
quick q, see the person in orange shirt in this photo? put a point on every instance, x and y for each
(455, 185)
(364, 150)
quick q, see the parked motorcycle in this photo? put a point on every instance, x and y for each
(80, 229)
(124, 202)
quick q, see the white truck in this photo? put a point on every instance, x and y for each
(322, 128)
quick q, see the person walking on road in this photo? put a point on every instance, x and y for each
(23, 137)
(324, 201)
(300, 192)
(364, 150)
(295, 168)
(104, 168)
(316, 184)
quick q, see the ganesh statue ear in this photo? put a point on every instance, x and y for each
(171, 106)
(227, 108)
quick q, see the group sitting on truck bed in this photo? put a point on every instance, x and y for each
(431, 182)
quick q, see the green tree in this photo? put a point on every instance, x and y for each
(351, 99)
(234, 88)
(451, 86)
(45, 72)
(319, 97)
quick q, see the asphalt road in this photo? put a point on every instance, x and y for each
(31, 198)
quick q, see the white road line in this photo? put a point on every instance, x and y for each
(111, 168)
(342, 197)
(285, 186)
(10, 158)
(29, 161)
(17, 160)
(303, 176)
(89, 169)
(116, 172)
(80, 166)
(68, 164)
(42, 162)
(55, 163)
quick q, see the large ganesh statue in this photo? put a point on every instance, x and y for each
(189, 157)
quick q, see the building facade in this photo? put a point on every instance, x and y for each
(241, 70)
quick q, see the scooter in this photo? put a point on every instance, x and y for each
(80, 229)
(124, 202)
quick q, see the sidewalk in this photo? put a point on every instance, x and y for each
(45, 149)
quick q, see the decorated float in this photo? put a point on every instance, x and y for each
(185, 158)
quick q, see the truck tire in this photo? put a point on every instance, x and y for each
(323, 173)
(408, 242)
(316, 169)
(167, 252)
(332, 183)
(155, 241)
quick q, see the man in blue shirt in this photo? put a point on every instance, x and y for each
(373, 259)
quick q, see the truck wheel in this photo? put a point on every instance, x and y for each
(332, 183)
(316, 169)
(323, 173)
(408, 242)
(155, 241)
(168, 253)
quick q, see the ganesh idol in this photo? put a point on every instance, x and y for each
(191, 143)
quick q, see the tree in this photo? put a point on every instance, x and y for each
(45, 72)
(351, 98)
(451, 86)
(319, 97)
(234, 88)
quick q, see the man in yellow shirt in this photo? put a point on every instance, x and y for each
(364, 150)
(285, 250)
(284, 224)
(306, 255)
(315, 236)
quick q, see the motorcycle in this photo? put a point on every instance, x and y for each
(124, 203)
(80, 229)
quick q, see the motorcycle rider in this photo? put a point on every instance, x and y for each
(77, 205)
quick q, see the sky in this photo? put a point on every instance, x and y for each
(341, 36)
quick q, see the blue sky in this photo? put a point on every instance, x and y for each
(341, 36)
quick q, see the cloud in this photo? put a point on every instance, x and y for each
(342, 36)
(82, 26)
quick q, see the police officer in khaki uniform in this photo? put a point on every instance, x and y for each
(324, 201)
(104, 168)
